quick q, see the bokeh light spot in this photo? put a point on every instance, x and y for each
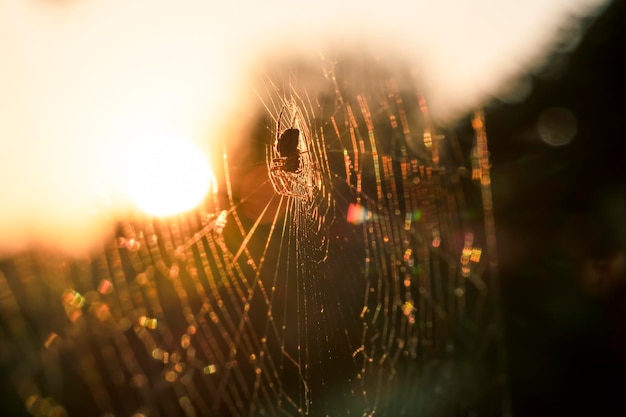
(557, 126)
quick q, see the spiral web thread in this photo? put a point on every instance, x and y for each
(372, 291)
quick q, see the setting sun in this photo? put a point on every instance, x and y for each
(165, 176)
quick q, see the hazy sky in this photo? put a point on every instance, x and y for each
(79, 80)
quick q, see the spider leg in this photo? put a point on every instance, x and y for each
(280, 116)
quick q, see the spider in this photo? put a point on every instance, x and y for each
(286, 160)
(286, 147)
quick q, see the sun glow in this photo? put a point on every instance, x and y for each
(80, 78)
(165, 176)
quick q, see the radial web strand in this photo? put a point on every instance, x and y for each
(346, 267)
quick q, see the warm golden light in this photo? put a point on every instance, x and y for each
(164, 176)
(77, 76)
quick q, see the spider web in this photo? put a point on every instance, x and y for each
(369, 290)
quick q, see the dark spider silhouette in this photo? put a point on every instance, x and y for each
(286, 146)
(285, 162)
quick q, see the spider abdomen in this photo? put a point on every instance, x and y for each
(287, 143)
(287, 148)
